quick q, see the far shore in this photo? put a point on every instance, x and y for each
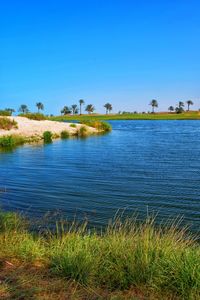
(186, 115)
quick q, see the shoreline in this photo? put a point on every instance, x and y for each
(191, 115)
(32, 129)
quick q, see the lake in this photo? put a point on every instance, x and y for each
(141, 166)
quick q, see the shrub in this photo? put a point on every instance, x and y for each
(47, 136)
(99, 125)
(73, 125)
(82, 131)
(34, 116)
(64, 134)
(11, 141)
(7, 124)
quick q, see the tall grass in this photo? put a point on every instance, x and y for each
(11, 141)
(125, 256)
(99, 125)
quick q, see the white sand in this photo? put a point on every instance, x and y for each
(32, 128)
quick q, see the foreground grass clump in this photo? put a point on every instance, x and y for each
(165, 263)
(34, 116)
(11, 141)
(99, 125)
(7, 124)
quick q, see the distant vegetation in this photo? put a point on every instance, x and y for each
(108, 107)
(34, 116)
(77, 109)
(23, 109)
(126, 258)
(153, 103)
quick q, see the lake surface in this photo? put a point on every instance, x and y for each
(142, 166)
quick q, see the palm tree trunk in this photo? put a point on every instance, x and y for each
(188, 107)
(152, 109)
(80, 109)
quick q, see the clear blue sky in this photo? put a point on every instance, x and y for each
(124, 52)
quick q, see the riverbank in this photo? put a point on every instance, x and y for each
(126, 261)
(35, 129)
(16, 131)
(193, 115)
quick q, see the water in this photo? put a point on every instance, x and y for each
(142, 166)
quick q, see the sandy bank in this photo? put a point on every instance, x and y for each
(32, 128)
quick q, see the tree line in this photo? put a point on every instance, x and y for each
(75, 109)
(78, 108)
(178, 109)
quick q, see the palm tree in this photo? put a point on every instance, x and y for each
(40, 106)
(179, 109)
(81, 102)
(89, 108)
(74, 109)
(180, 104)
(189, 102)
(10, 110)
(66, 110)
(153, 103)
(171, 108)
(24, 109)
(108, 107)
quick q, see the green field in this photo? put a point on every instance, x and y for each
(193, 115)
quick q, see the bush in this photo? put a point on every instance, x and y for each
(11, 141)
(34, 116)
(72, 125)
(7, 124)
(82, 131)
(64, 134)
(47, 136)
(99, 125)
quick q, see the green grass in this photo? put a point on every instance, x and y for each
(193, 115)
(162, 262)
(11, 141)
